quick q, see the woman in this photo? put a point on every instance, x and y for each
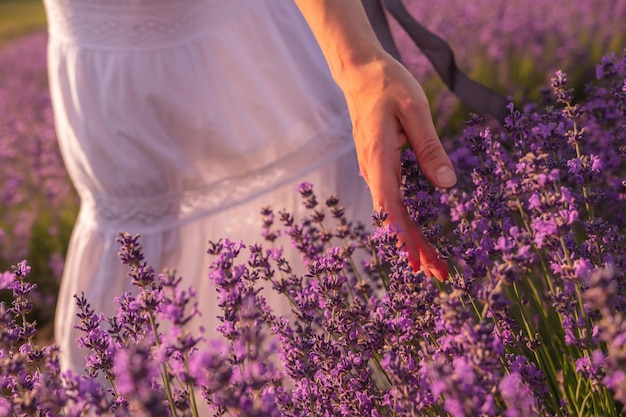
(179, 119)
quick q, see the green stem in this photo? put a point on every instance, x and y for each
(163, 370)
(381, 369)
(192, 395)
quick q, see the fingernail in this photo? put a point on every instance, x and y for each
(445, 176)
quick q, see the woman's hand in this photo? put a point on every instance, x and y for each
(388, 109)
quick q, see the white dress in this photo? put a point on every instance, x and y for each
(179, 120)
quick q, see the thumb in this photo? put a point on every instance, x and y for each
(431, 156)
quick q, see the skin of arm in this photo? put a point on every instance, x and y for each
(388, 108)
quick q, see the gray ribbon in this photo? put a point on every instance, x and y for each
(482, 98)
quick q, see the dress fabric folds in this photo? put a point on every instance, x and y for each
(179, 120)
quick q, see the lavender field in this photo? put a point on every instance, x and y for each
(514, 46)
(37, 202)
(531, 322)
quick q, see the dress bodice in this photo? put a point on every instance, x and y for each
(136, 24)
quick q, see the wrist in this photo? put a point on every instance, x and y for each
(353, 66)
(358, 74)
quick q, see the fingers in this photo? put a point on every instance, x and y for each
(421, 253)
(381, 169)
(432, 158)
(430, 262)
(383, 177)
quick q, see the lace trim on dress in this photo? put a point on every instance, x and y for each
(161, 212)
(128, 25)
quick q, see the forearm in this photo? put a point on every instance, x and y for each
(344, 34)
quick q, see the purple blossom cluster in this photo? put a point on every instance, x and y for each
(536, 235)
(531, 322)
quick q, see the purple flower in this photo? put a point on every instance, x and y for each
(137, 376)
(518, 397)
(6, 279)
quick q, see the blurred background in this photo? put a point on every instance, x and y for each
(37, 202)
(513, 46)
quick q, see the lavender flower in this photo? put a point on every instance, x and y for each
(37, 201)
